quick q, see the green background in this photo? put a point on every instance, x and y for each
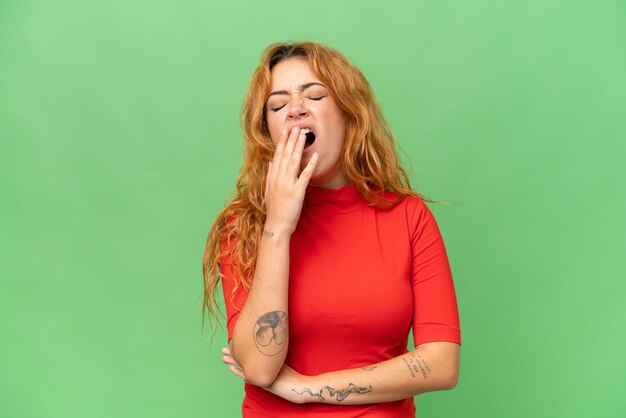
(120, 141)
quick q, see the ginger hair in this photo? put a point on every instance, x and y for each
(369, 160)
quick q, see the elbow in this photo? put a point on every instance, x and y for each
(256, 371)
(446, 362)
(258, 374)
(450, 380)
(259, 378)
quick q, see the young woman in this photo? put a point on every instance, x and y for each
(326, 256)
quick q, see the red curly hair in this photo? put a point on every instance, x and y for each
(369, 159)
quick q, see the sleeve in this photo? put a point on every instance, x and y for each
(234, 300)
(435, 311)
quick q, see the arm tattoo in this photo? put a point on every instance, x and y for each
(417, 364)
(267, 233)
(368, 368)
(340, 394)
(270, 332)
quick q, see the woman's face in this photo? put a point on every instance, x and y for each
(298, 98)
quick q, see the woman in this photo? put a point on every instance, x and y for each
(327, 257)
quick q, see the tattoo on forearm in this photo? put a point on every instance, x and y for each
(368, 368)
(417, 364)
(270, 332)
(339, 394)
(267, 233)
(424, 368)
(408, 366)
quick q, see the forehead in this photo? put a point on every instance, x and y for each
(288, 74)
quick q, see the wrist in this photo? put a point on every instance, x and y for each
(301, 390)
(275, 231)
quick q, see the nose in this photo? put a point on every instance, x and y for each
(297, 108)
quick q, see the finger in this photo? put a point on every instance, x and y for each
(308, 171)
(279, 152)
(226, 351)
(237, 372)
(230, 361)
(289, 147)
(296, 155)
(280, 146)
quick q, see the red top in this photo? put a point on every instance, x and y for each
(359, 279)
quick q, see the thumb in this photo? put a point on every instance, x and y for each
(308, 171)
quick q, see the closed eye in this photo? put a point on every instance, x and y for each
(276, 108)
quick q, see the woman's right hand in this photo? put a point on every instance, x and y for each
(284, 191)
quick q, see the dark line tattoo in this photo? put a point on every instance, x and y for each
(270, 332)
(340, 395)
(368, 368)
(267, 233)
(417, 364)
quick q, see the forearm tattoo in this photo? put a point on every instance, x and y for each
(339, 394)
(417, 364)
(267, 233)
(368, 368)
(270, 332)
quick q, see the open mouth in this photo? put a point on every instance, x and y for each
(310, 138)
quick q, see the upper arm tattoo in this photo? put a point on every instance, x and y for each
(270, 332)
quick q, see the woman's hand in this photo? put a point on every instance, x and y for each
(283, 386)
(234, 368)
(284, 191)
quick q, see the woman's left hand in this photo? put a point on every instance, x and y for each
(283, 385)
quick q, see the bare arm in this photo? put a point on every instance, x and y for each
(261, 334)
(429, 367)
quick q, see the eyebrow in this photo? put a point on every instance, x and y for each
(301, 88)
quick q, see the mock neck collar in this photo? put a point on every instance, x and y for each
(343, 200)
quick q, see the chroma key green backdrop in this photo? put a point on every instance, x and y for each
(120, 140)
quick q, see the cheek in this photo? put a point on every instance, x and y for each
(339, 124)
(337, 118)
